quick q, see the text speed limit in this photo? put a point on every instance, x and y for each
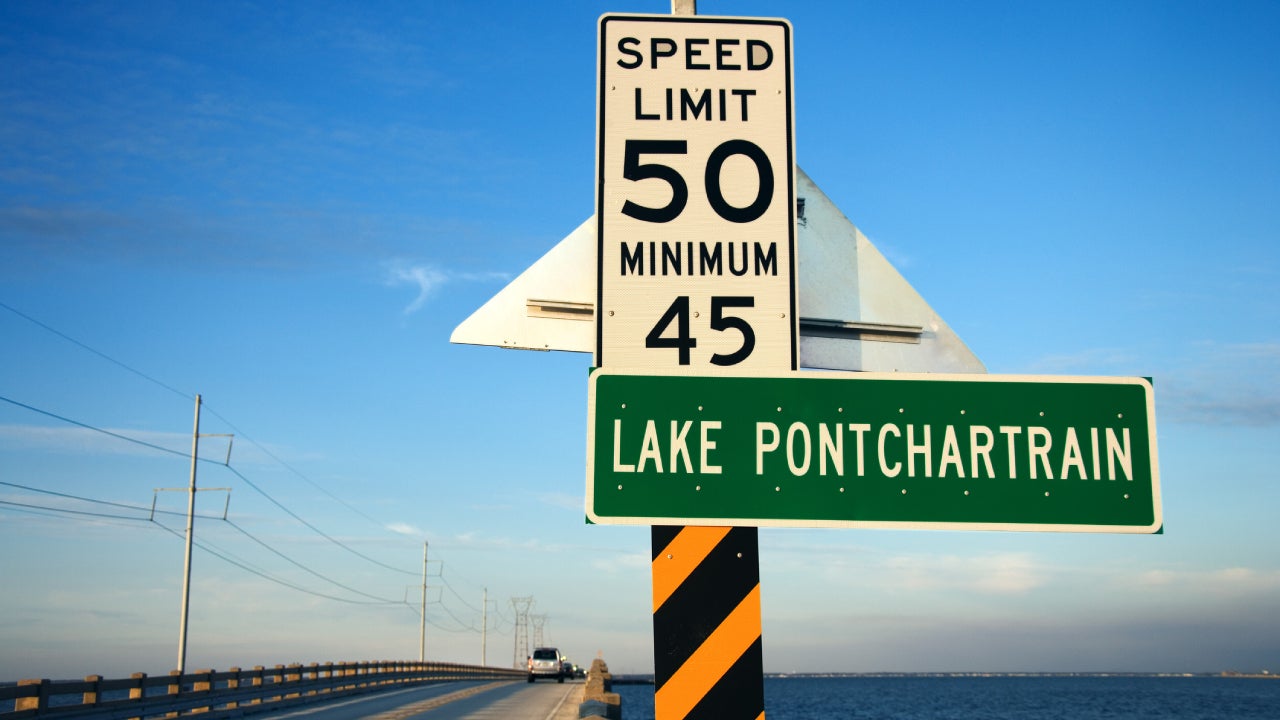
(695, 194)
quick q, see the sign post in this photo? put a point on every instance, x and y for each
(695, 212)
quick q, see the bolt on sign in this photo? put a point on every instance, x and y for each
(695, 194)
(886, 450)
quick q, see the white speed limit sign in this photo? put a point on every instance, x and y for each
(695, 195)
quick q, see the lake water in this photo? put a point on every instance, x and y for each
(1002, 698)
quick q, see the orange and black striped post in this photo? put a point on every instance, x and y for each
(708, 659)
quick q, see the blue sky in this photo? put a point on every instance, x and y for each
(287, 208)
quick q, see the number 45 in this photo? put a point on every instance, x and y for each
(684, 341)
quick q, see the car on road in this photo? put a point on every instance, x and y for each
(546, 662)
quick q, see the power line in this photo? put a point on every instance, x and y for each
(243, 566)
(143, 509)
(189, 396)
(234, 471)
(461, 599)
(299, 565)
(223, 555)
(87, 426)
(71, 512)
(102, 355)
(239, 432)
(109, 503)
(292, 469)
(231, 558)
(464, 627)
(315, 529)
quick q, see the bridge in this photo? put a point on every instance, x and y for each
(329, 691)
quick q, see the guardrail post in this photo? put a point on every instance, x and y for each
(40, 702)
(233, 683)
(91, 695)
(255, 681)
(277, 678)
(202, 682)
(175, 687)
(294, 676)
(137, 688)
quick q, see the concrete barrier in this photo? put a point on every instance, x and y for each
(598, 700)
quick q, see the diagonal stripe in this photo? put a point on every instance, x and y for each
(704, 599)
(681, 556)
(711, 661)
(738, 694)
(661, 536)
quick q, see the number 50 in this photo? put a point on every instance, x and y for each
(633, 169)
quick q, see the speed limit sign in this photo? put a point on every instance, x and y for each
(695, 195)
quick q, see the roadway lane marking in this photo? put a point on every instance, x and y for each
(551, 715)
(422, 706)
(312, 709)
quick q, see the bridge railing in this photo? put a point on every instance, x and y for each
(214, 695)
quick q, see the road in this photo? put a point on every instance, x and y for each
(470, 700)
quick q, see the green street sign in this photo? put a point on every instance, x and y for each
(876, 450)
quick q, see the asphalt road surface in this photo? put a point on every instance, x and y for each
(470, 700)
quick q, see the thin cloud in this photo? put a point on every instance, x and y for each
(53, 223)
(623, 564)
(1222, 582)
(986, 574)
(132, 441)
(997, 574)
(83, 440)
(406, 529)
(1090, 361)
(564, 501)
(1233, 384)
(427, 278)
(1210, 383)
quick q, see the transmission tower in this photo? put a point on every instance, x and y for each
(521, 607)
(538, 622)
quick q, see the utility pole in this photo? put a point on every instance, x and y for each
(186, 563)
(484, 627)
(422, 626)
